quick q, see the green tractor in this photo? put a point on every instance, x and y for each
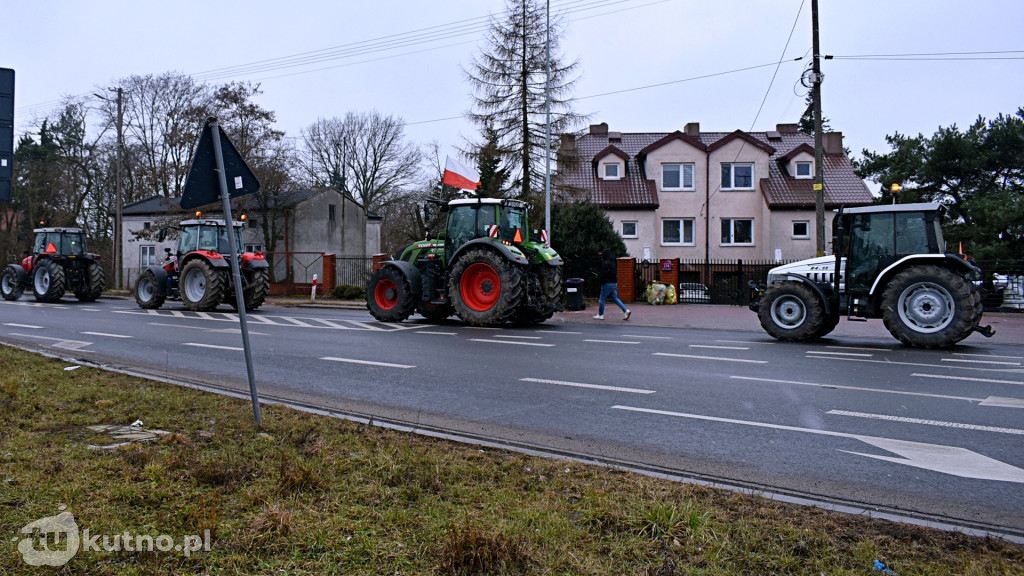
(483, 269)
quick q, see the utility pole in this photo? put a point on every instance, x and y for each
(547, 124)
(819, 168)
(120, 167)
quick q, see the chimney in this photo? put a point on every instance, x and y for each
(599, 129)
(832, 142)
(787, 128)
(692, 129)
(568, 143)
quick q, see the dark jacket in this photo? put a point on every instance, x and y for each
(609, 268)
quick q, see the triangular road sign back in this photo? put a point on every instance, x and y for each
(201, 185)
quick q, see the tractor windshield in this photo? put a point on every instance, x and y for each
(207, 237)
(513, 218)
(63, 243)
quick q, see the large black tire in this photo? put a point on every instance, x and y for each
(827, 326)
(11, 287)
(792, 312)
(389, 295)
(435, 313)
(148, 294)
(97, 282)
(485, 288)
(551, 295)
(202, 286)
(930, 307)
(258, 288)
(48, 281)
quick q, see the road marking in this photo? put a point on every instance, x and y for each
(857, 388)
(999, 402)
(60, 342)
(511, 342)
(710, 358)
(648, 337)
(988, 356)
(856, 354)
(105, 334)
(214, 346)
(205, 316)
(558, 332)
(895, 363)
(367, 362)
(720, 347)
(770, 343)
(30, 326)
(611, 341)
(861, 348)
(936, 457)
(437, 333)
(980, 362)
(593, 386)
(968, 379)
(941, 423)
(520, 337)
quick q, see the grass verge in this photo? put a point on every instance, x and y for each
(309, 494)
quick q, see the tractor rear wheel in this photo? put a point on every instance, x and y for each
(147, 292)
(256, 291)
(549, 297)
(930, 307)
(792, 312)
(389, 295)
(202, 286)
(10, 286)
(48, 281)
(485, 288)
(96, 282)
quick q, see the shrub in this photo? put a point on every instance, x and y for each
(348, 292)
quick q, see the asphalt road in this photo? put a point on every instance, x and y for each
(861, 422)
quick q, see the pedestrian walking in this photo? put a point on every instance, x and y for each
(610, 285)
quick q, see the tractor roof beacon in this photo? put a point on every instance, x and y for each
(892, 265)
(485, 268)
(59, 262)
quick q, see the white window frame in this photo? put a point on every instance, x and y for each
(810, 169)
(732, 175)
(253, 248)
(687, 228)
(807, 229)
(685, 170)
(147, 255)
(731, 239)
(615, 176)
(636, 229)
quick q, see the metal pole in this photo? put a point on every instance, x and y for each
(118, 256)
(547, 126)
(819, 168)
(218, 156)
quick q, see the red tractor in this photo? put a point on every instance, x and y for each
(199, 273)
(58, 263)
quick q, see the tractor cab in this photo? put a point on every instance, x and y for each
(59, 242)
(207, 235)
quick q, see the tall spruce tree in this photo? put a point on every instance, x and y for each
(508, 77)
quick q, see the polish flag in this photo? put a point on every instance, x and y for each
(457, 175)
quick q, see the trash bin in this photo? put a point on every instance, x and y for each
(574, 293)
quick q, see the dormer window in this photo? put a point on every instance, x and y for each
(804, 169)
(611, 171)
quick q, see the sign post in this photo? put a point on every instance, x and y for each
(214, 145)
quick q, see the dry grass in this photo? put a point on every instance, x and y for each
(312, 495)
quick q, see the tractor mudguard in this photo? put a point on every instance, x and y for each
(161, 278)
(951, 261)
(411, 272)
(255, 264)
(516, 257)
(21, 274)
(214, 262)
(817, 290)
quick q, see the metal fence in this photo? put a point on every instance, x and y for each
(353, 271)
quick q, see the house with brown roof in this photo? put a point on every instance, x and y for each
(720, 195)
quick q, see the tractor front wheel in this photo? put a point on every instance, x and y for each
(96, 282)
(930, 307)
(389, 295)
(11, 287)
(202, 286)
(148, 294)
(48, 281)
(792, 312)
(256, 291)
(485, 288)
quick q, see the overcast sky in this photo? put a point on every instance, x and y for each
(670, 61)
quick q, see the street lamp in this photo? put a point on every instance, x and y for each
(120, 165)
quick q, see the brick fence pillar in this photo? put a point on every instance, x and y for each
(626, 268)
(670, 276)
(330, 279)
(379, 259)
